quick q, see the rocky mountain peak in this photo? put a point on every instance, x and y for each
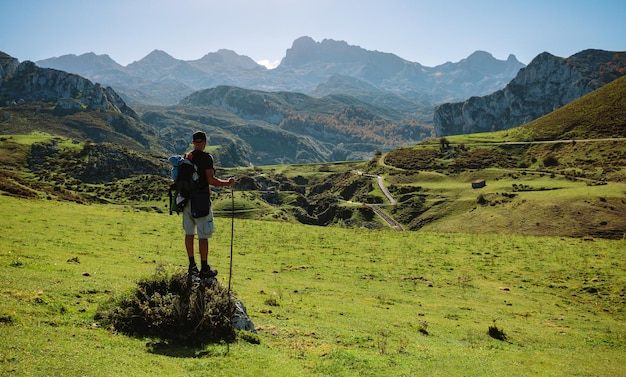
(26, 82)
(156, 57)
(306, 51)
(485, 63)
(8, 65)
(85, 64)
(479, 56)
(226, 58)
(546, 84)
(303, 50)
(512, 58)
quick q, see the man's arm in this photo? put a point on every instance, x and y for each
(215, 181)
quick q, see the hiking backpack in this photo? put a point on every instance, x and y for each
(185, 178)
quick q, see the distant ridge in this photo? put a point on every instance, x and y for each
(84, 65)
(160, 79)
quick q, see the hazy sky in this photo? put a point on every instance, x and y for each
(430, 32)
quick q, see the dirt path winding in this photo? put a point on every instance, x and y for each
(376, 207)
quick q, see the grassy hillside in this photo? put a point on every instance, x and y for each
(96, 126)
(600, 114)
(515, 200)
(563, 174)
(325, 301)
(560, 134)
(39, 165)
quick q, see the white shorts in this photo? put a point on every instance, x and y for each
(203, 226)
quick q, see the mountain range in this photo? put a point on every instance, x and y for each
(160, 79)
(326, 101)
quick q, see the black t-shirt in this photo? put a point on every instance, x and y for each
(203, 161)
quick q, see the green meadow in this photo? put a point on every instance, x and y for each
(326, 301)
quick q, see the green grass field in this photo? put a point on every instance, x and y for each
(326, 301)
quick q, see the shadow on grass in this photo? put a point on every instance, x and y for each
(187, 352)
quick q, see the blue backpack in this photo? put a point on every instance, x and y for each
(185, 179)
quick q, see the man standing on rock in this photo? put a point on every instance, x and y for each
(203, 226)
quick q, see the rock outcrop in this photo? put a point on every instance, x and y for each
(68, 105)
(26, 82)
(545, 85)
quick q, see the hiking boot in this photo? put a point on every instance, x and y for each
(207, 273)
(193, 272)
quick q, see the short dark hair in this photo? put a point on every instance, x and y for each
(199, 136)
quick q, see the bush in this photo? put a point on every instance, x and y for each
(169, 307)
(482, 200)
(550, 161)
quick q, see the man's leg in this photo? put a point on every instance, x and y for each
(205, 270)
(189, 226)
(193, 269)
(205, 231)
(203, 245)
(189, 245)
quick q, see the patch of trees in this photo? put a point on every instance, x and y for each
(481, 158)
(355, 124)
(413, 159)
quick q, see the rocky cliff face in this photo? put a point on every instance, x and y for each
(74, 106)
(26, 82)
(546, 84)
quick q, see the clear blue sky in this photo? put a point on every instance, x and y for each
(430, 32)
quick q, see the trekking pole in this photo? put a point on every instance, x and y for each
(230, 272)
(232, 235)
